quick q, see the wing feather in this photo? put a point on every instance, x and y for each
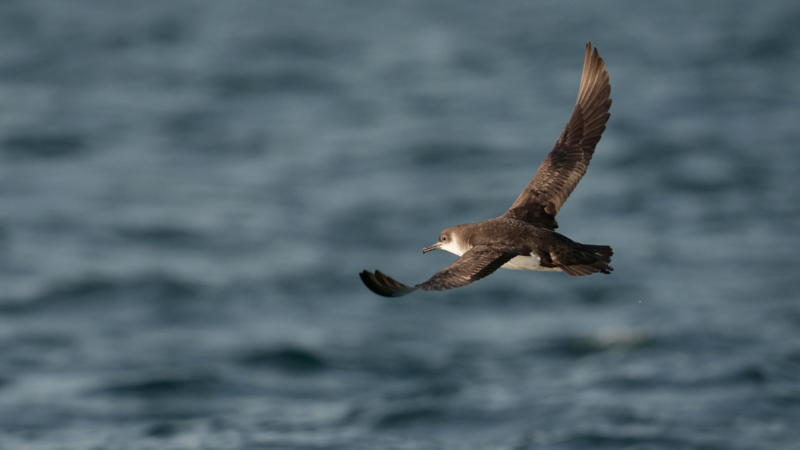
(566, 164)
(479, 262)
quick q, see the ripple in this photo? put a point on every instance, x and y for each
(290, 359)
(163, 235)
(96, 291)
(601, 341)
(44, 145)
(409, 416)
(284, 81)
(164, 385)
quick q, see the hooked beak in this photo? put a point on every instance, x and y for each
(435, 246)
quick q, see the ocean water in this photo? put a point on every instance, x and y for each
(188, 190)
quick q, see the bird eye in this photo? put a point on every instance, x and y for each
(444, 238)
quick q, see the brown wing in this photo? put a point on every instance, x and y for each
(479, 262)
(567, 162)
(383, 285)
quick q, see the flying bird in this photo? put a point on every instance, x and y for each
(524, 238)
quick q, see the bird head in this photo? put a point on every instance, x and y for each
(447, 241)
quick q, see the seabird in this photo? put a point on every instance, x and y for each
(524, 238)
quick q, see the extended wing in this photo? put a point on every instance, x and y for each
(567, 162)
(479, 262)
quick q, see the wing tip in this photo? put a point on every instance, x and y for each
(384, 285)
(591, 50)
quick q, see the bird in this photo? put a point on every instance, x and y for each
(524, 237)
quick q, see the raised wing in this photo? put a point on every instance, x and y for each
(567, 162)
(480, 261)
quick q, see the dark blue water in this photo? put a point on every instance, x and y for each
(189, 189)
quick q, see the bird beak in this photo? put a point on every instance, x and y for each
(435, 246)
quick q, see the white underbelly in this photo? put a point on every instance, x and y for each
(528, 263)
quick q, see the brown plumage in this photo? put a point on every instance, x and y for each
(566, 164)
(480, 261)
(524, 237)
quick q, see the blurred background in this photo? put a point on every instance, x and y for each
(188, 190)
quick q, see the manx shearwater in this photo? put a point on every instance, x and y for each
(524, 238)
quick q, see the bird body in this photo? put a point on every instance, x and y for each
(539, 248)
(524, 237)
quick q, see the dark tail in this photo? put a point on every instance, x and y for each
(601, 254)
